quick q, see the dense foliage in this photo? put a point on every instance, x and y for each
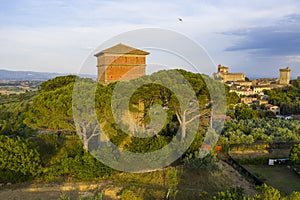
(295, 154)
(242, 112)
(50, 113)
(70, 159)
(231, 97)
(52, 107)
(199, 164)
(287, 98)
(13, 110)
(54, 151)
(266, 192)
(267, 130)
(18, 159)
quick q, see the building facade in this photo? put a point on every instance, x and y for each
(225, 76)
(258, 89)
(120, 62)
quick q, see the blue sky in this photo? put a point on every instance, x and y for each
(256, 37)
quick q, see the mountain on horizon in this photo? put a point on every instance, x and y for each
(34, 76)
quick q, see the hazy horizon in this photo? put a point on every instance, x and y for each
(251, 76)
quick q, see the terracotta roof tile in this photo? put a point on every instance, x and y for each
(122, 49)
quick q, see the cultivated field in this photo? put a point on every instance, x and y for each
(279, 177)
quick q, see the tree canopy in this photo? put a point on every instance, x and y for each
(295, 154)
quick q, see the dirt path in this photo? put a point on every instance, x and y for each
(54, 191)
(44, 191)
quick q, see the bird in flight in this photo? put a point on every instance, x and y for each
(180, 19)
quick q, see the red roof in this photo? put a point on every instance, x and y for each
(122, 49)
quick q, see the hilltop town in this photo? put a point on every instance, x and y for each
(252, 92)
(240, 84)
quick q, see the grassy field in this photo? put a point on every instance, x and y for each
(279, 177)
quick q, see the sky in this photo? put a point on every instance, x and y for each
(251, 36)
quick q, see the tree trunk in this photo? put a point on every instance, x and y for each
(183, 127)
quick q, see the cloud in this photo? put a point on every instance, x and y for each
(280, 39)
(50, 34)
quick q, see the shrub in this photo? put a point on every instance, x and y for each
(18, 160)
(206, 163)
(295, 154)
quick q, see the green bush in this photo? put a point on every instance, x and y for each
(72, 160)
(230, 194)
(295, 154)
(18, 160)
(198, 164)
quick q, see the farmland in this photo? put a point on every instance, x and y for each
(277, 176)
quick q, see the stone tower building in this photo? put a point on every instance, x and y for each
(120, 62)
(223, 69)
(225, 76)
(285, 75)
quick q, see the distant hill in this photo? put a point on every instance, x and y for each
(33, 76)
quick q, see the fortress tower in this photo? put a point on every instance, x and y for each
(285, 75)
(225, 76)
(223, 69)
(120, 62)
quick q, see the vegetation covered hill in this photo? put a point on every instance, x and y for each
(45, 135)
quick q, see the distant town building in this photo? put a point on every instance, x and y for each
(265, 81)
(225, 76)
(120, 62)
(274, 109)
(258, 89)
(242, 92)
(248, 100)
(244, 83)
(260, 102)
(285, 76)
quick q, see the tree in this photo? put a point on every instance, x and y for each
(18, 159)
(244, 112)
(57, 82)
(12, 114)
(70, 159)
(188, 115)
(52, 110)
(198, 164)
(295, 154)
(177, 92)
(210, 100)
(254, 106)
(84, 111)
(294, 196)
(268, 192)
(263, 106)
(232, 98)
(60, 105)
